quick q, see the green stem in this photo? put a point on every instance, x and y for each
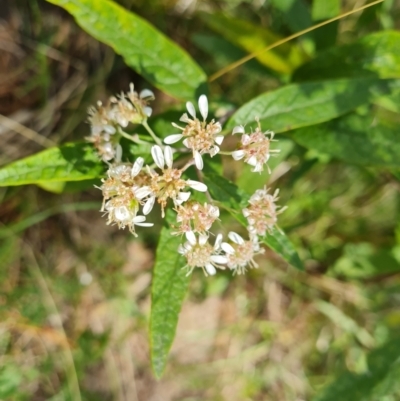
(221, 152)
(130, 137)
(152, 134)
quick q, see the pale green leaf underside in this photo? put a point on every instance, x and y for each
(300, 105)
(168, 290)
(69, 162)
(143, 47)
(354, 139)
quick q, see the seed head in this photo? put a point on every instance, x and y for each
(254, 148)
(262, 213)
(193, 216)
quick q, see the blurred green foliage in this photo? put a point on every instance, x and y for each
(74, 295)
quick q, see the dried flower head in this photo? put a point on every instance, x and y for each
(169, 184)
(107, 120)
(199, 253)
(262, 214)
(193, 216)
(240, 253)
(199, 136)
(124, 191)
(254, 148)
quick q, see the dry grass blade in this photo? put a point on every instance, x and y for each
(26, 132)
(243, 60)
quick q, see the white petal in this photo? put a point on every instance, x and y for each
(203, 106)
(238, 130)
(198, 160)
(144, 224)
(109, 129)
(145, 93)
(186, 143)
(227, 248)
(170, 139)
(148, 206)
(184, 118)
(191, 237)
(187, 246)
(203, 239)
(210, 269)
(190, 109)
(177, 126)
(214, 211)
(218, 241)
(183, 196)
(220, 259)
(245, 139)
(219, 139)
(148, 111)
(258, 168)
(118, 154)
(121, 213)
(137, 166)
(236, 238)
(214, 150)
(246, 212)
(198, 186)
(138, 219)
(238, 154)
(181, 249)
(169, 159)
(158, 156)
(142, 192)
(252, 161)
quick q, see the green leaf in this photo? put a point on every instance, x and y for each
(363, 260)
(381, 379)
(354, 139)
(294, 12)
(69, 162)
(234, 200)
(168, 290)
(148, 51)
(324, 9)
(280, 243)
(375, 55)
(224, 52)
(253, 38)
(300, 105)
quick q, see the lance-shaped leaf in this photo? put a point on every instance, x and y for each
(143, 47)
(354, 139)
(168, 290)
(375, 55)
(300, 105)
(234, 200)
(69, 162)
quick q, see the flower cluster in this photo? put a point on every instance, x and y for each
(107, 121)
(255, 148)
(130, 191)
(200, 137)
(262, 213)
